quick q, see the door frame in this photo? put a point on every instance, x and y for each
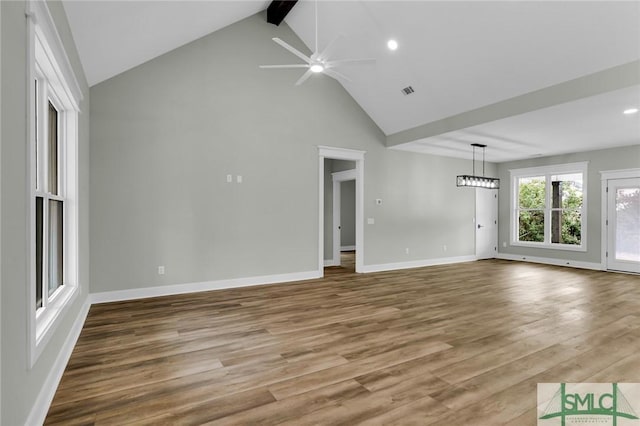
(334, 153)
(605, 177)
(338, 178)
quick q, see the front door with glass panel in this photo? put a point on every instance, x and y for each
(623, 229)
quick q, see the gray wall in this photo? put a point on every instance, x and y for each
(608, 159)
(348, 213)
(21, 385)
(165, 134)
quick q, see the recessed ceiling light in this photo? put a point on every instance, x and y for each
(317, 68)
(630, 111)
(392, 44)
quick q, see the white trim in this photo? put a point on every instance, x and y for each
(619, 174)
(350, 155)
(604, 229)
(515, 174)
(554, 168)
(49, 64)
(329, 262)
(338, 178)
(39, 12)
(344, 175)
(169, 290)
(341, 153)
(45, 397)
(347, 248)
(550, 261)
(417, 263)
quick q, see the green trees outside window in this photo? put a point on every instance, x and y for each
(559, 202)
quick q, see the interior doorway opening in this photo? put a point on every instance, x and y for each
(342, 232)
(338, 166)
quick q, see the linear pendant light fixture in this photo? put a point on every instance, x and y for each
(478, 181)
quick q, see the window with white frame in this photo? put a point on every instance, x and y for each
(54, 97)
(549, 206)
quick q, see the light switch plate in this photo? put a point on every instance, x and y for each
(370, 221)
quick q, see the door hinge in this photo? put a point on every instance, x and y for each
(606, 254)
(607, 222)
(607, 190)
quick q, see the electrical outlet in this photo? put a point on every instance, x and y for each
(370, 221)
(406, 250)
(444, 247)
(160, 270)
(229, 178)
(239, 179)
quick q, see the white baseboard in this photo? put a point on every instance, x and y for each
(47, 392)
(348, 248)
(329, 262)
(417, 263)
(551, 261)
(168, 290)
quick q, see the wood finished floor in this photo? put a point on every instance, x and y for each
(460, 344)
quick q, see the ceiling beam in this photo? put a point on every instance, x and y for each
(277, 10)
(608, 80)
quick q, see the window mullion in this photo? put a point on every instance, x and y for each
(43, 134)
(547, 209)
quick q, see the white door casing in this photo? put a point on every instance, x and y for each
(358, 158)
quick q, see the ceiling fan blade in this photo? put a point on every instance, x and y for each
(286, 66)
(304, 77)
(336, 75)
(329, 49)
(362, 61)
(293, 50)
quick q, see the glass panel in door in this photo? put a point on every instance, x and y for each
(624, 225)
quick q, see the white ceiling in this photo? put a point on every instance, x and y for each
(583, 125)
(458, 56)
(114, 36)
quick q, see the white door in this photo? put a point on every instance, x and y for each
(486, 223)
(623, 225)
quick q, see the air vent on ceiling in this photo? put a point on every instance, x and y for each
(408, 90)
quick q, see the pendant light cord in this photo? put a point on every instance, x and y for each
(316, 26)
(474, 162)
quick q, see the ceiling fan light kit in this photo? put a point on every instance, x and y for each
(474, 181)
(318, 62)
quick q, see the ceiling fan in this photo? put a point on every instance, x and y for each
(318, 62)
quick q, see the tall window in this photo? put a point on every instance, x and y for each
(54, 98)
(49, 196)
(549, 206)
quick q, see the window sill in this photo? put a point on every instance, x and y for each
(47, 319)
(564, 247)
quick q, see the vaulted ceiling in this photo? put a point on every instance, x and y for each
(525, 78)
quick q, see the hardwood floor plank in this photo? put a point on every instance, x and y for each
(443, 345)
